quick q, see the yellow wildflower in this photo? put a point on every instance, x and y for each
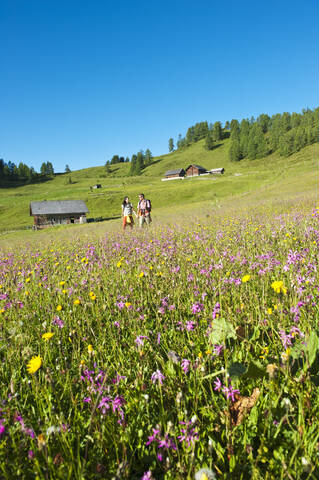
(46, 336)
(264, 352)
(285, 355)
(142, 274)
(41, 441)
(34, 364)
(59, 308)
(246, 278)
(90, 349)
(76, 302)
(269, 311)
(62, 283)
(119, 264)
(279, 287)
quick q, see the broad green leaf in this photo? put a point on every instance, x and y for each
(221, 331)
(255, 370)
(237, 369)
(312, 346)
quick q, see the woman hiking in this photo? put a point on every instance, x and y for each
(127, 213)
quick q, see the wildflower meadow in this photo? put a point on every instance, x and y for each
(179, 352)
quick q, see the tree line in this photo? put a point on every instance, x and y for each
(10, 172)
(211, 132)
(138, 162)
(252, 138)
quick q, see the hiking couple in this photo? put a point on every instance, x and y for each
(143, 212)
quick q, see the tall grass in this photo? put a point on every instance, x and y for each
(164, 351)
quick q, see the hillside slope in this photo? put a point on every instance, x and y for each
(272, 175)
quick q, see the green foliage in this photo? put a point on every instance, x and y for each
(217, 132)
(171, 145)
(209, 141)
(47, 169)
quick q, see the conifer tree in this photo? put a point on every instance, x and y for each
(209, 141)
(234, 150)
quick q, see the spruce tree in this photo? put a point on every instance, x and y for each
(234, 150)
(209, 141)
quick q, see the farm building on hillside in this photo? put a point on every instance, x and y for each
(195, 170)
(58, 212)
(179, 173)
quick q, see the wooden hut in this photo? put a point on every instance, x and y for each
(49, 213)
(180, 172)
(195, 170)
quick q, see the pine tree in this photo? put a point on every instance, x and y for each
(148, 157)
(209, 141)
(171, 147)
(234, 127)
(234, 150)
(133, 165)
(217, 131)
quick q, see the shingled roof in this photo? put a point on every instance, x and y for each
(58, 207)
(202, 169)
(174, 172)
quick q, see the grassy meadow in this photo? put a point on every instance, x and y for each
(188, 350)
(269, 177)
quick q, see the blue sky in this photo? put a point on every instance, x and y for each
(84, 80)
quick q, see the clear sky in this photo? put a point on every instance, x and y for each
(82, 80)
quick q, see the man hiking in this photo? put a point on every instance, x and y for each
(144, 208)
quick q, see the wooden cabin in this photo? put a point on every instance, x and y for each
(195, 170)
(180, 172)
(59, 212)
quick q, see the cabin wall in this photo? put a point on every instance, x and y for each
(44, 221)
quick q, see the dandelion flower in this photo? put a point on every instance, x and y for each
(279, 287)
(59, 308)
(246, 278)
(34, 364)
(76, 302)
(90, 348)
(46, 336)
(142, 274)
(205, 474)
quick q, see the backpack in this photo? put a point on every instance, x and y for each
(148, 205)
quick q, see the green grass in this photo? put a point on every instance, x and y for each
(269, 177)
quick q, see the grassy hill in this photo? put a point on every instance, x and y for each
(271, 176)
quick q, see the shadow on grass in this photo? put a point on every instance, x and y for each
(103, 219)
(21, 183)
